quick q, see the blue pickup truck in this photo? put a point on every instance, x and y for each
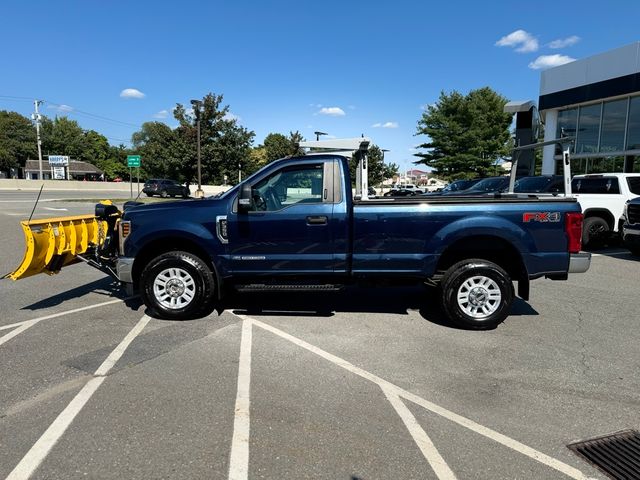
(296, 226)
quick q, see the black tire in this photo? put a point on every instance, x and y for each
(185, 194)
(496, 280)
(163, 194)
(635, 251)
(149, 194)
(595, 231)
(201, 285)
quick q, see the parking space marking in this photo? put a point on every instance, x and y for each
(509, 442)
(30, 323)
(426, 446)
(239, 458)
(39, 451)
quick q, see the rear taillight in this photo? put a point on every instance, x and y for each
(573, 229)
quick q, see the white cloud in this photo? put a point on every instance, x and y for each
(524, 41)
(131, 93)
(564, 42)
(548, 61)
(332, 111)
(230, 116)
(61, 108)
(315, 105)
(161, 114)
(385, 125)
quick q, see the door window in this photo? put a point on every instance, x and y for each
(289, 186)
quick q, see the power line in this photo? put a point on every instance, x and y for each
(75, 111)
(93, 115)
(19, 99)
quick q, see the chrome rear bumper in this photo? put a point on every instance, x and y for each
(579, 262)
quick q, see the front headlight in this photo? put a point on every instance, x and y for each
(624, 212)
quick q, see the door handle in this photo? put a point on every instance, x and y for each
(317, 220)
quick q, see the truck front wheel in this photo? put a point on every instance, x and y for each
(177, 286)
(477, 294)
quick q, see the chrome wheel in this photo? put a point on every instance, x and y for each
(174, 288)
(479, 297)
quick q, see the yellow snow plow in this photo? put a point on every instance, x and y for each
(53, 243)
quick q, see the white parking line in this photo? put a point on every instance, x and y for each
(30, 323)
(239, 458)
(511, 443)
(426, 446)
(39, 451)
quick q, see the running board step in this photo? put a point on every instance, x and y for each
(270, 287)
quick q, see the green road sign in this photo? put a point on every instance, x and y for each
(133, 160)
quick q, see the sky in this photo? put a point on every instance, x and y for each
(347, 68)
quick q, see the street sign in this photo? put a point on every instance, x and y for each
(58, 173)
(133, 160)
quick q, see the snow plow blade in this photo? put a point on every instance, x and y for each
(53, 243)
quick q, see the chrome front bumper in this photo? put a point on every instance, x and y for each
(124, 267)
(579, 262)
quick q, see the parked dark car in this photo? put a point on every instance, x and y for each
(165, 188)
(403, 192)
(486, 185)
(540, 184)
(455, 187)
(631, 226)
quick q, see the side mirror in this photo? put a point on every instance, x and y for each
(244, 200)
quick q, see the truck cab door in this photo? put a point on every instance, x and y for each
(287, 230)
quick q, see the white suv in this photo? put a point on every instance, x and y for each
(602, 197)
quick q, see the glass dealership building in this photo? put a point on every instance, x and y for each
(597, 100)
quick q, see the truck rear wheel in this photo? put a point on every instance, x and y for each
(477, 294)
(177, 286)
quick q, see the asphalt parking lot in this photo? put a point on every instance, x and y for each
(361, 384)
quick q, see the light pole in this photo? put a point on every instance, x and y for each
(196, 109)
(317, 134)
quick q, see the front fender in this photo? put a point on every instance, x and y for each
(198, 234)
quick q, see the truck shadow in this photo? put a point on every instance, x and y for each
(393, 300)
(106, 287)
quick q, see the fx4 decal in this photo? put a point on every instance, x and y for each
(541, 217)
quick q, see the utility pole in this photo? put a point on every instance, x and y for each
(196, 110)
(36, 117)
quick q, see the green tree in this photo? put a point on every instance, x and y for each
(116, 164)
(17, 140)
(62, 136)
(163, 152)
(225, 145)
(97, 149)
(467, 133)
(378, 170)
(277, 146)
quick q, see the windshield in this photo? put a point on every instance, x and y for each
(489, 185)
(457, 186)
(532, 184)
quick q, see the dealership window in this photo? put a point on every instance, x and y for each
(588, 129)
(633, 133)
(567, 123)
(614, 117)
